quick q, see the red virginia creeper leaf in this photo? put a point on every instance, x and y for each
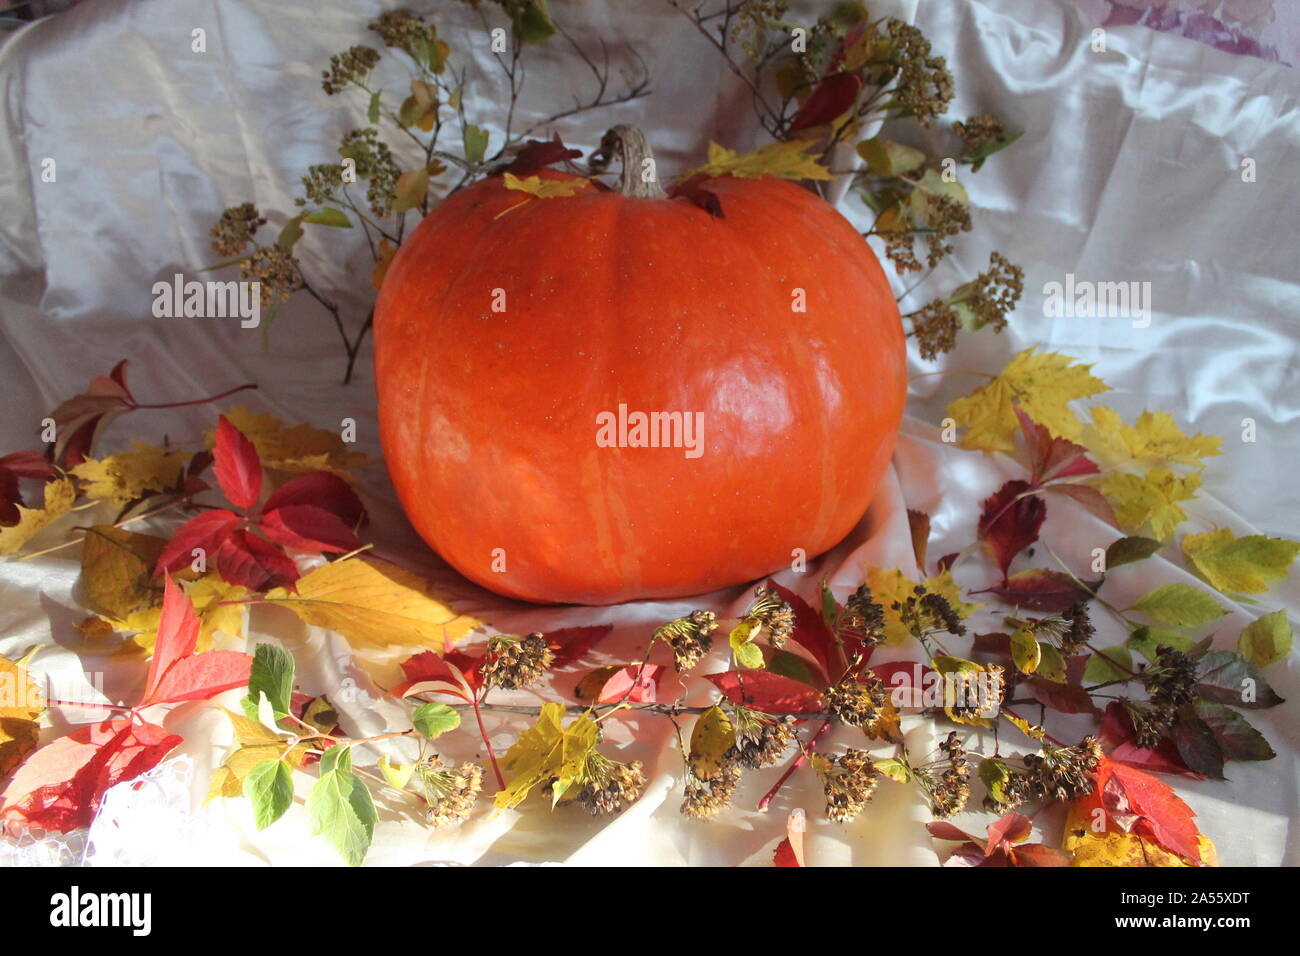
(1006, 830)
(207, 532)
(831, 98)
(1041, 589)
(249, 561)
(1066, 698)
(767, 692)
(237, 466)
(79, 421)
(784, 855)
(1162, 815)
(1010, 523)
(811, 631)
(202, 676)
(308, 528)
(1039, 854)
(570, 644)
(178, 635)
(320, 489)
(536, 154)
(1051, 458)
(423, 671)
(642, 683)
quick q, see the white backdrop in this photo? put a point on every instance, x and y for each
(1128, 170)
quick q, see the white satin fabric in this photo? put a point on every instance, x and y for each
(1129, 170)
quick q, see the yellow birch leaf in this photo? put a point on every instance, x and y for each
(1042, 384)
(59, 498)
(783, 160)
(712, 736)
(1150, 499)
(129, 475)
(374, 603)
(1239, 565)
(215, 602)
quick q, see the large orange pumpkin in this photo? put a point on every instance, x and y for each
(513, 333)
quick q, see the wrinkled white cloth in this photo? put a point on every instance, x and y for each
(1129, 169)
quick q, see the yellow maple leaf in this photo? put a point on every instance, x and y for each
(1116, 848)
(1151, 499)
(1042, 384)
(21, 703)
(545, 188)
(548, 750)
(374, 603)
(296, 449)
(890, 586)
(59, 498)
(1154, 440)
(783, 160)
(1239, 565)
(129, 475)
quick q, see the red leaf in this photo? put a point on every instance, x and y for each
(784, 855)
(1009, 523)
(308, 528)
(322, 490)
(906, 680)
(1065, 698)
(811, 631)
(425, 668)
(178, 635)
(237, 466)
(695, 192)
(944, 830)
(202, 676)
(1007, 830)
(1090, 498)
(1162, 815)
(1038, 854)
(1117, 733)
(247, 560)
(79, 421)
(1042, 590)
(831, 98)
(60, 786)
(27, 464)
(10, 498)
(642, 683)
(536, 154)
(570, 644)
(207, 532)
(767, 692)
(1051, 458)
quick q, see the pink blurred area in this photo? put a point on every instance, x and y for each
(1245, 27)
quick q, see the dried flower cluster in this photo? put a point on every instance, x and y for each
(375, 164)
(449, 791)
(235, 229)
(610, 785)
(761, 740)
(350, 66)
(849, 782)
(947, 783)
(689, 638)
(862, 618)
(705, 798)
(924, 87)
(514, 663)
(927, 612)
(403, 30)
(277, 271)
(986, 300)
(1169, 681)
(776, 615)
(1054, 773)
(857, 699)
(977, 133)
(320, 183)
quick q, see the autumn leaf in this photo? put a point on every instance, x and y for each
(1042, 384)
(15, 466)
(784, 160)
(1114, 847)
(1042, 589)
(891, 586)
(711, 738)
(548, 750)
(884, 157)
(570, 644)
(21, 704)
(538, 154)
(297, 449)
(1009, 523)
(812, 633)
(59, 499)
(237, 467)
(383, 259)
(1239, 565)
(1151, 499)
(539, 188)
(830, 99)
(176, 672)
(608, 685)
(1228, 678)
(1129, 550)
(127, 476)
(1179, 605)
(1266, 640)
(767, 692)
(1154, 441)
(340, 807)
(374, 603)
(117, 571)
(79, 421)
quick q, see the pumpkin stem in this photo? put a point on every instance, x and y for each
(639, 179)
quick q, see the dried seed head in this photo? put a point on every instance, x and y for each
(514, 662)
(849, 782)
(689, 637)
(761, 740)
(857, 700)
(450, 791)
(705, 798)
(610, 785)
(275, 269)
(234, 230)
(862, 617)
(350, 66)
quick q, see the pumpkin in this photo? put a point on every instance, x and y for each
(522, 344)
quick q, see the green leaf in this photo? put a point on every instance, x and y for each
(337, 757)
(1228, 678)
(272, 675)
(531, 21)
(1108, 664)
(329, 216)
(1130, 549)
(749, 655)
(1052, 664)
(895, 769)
(994, 773)
(1266, 640)
(830, 607)
(1196, 744)
(1179, 605)
(1025, 651)
(1146, 639)
(270, 786)
(792, 666)
(884, 157)
(433, 720)
(291, 233)
(976, 157)
(342, 811)
(372, 112)
(1239, 565)
(476, 143)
